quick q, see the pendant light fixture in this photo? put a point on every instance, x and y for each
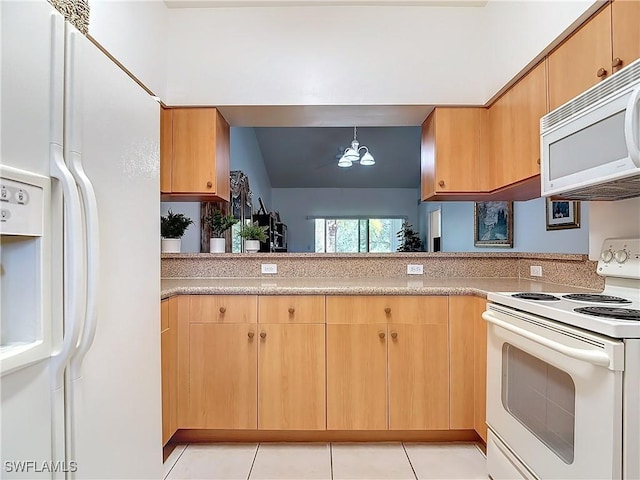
(352, 154)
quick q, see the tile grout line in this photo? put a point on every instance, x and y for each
(253, 462)
(177, 460)
(331, 458)
(415, 475)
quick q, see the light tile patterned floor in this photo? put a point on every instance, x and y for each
(322, 461)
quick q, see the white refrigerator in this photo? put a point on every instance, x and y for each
(80, 303)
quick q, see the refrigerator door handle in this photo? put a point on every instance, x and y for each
(72, 265)
(73, 146)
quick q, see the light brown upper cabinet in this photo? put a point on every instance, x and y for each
(625, 24)
(514, 131)
(194, 155)
(581, 61)
(451, 153)
(291, 363)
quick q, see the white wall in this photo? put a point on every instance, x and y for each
(612, 220)
(350, 55)
(296, 204)
(135, 33)
(530, 233)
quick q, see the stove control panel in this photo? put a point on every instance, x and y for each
(620, 257)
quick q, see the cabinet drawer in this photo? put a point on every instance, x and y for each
(223, 308)
(291, 309)
(387, 309)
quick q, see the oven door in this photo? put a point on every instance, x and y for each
(554, 395)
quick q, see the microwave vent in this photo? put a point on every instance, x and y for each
(612, 85)
(614, 190)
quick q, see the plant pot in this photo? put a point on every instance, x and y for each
(170, 245)
(251, 246)
(217, 245)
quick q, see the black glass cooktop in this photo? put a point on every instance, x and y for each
(615, 313)
(536, 296)
(595, 298)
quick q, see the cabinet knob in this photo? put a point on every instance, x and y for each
(601, 72)
(263, 334)
(441, 183)
(381, 335)
(394, 334)
(291, 310)
(387, 310)
(538, 161)
(250, 334)
(617, 62)
(209, 184)
(223, 309)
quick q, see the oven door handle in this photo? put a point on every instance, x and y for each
(591, 356)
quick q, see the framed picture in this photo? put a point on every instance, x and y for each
(493, 224)
(562, 214)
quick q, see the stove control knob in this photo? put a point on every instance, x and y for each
(621, 256)
(607, 256)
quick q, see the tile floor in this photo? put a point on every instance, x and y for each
(322, 461)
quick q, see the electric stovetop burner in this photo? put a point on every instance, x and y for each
(595, 298)
(536, 296)
(610, 312)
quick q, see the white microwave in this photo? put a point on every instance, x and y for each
(590, 146)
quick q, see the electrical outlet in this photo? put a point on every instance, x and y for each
(415, 269)
(269, 268)
(535, 271)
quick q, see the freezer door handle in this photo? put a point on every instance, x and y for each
(595, 357)
(73, 155)
(72, 265)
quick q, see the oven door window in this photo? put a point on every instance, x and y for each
(542, 398)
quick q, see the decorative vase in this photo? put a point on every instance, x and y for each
(170, 245)
(251, 246)
(216, 245)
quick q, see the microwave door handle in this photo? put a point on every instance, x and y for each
(591, 356)
(631, 126)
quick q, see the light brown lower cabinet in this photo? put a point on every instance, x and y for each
(357, 377)
(169, 369)
(379, 363)
(291, 377)
(418, 377)
(222, 376)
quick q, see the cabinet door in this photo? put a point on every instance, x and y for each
(450, 151)
(626, 32)
(222, 376)
(356, 377)
(200, 152)
(480, 369)
(166, 148)
(418, 377)
(514, 129)
(291, 377)
(169, 367)
(574, 66)
(462, 318)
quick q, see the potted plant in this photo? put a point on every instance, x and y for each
(253, 234)
(219, 223)
(172, 228)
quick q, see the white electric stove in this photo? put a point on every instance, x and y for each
(615, 312)
(563, 377)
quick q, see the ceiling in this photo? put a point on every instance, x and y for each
(288, 3)
(305, 157)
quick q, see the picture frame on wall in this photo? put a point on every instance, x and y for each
(562, 214)
(493, 224)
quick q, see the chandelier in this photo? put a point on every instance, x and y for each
(351, 155)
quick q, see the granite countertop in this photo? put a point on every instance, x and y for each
(357, 286)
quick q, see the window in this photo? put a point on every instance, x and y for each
(352, 235)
